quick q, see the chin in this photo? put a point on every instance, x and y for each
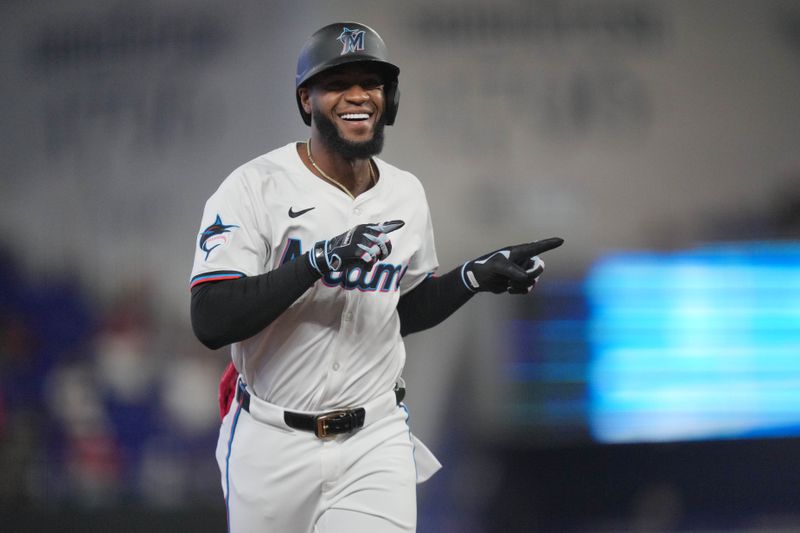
(360, 147)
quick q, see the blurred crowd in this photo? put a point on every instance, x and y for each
(101, 403)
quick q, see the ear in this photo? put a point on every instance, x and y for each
(304, 97)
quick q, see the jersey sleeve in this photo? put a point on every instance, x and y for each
(424, 261)
(232, 241)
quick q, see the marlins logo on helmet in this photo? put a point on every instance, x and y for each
(214, 235)
(352, 40)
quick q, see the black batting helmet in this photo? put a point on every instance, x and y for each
(347, 42)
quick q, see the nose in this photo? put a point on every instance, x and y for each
(356, 93)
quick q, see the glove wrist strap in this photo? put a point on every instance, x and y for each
(468, 277)
(319, 259)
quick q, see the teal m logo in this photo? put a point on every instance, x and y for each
(352, 40)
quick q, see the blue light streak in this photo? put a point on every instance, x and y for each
(698, 344)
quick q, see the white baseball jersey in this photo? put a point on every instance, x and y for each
(339, 344)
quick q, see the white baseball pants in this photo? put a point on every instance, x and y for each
(277, 479)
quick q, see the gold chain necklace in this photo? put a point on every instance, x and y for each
(334, 181)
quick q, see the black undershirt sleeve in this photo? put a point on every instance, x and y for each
(224, 312)
(230, 311)
(432, 301)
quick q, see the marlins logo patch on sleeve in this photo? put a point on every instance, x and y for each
(215, 235)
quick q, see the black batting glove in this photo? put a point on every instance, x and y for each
(512, 269)
(362, 245)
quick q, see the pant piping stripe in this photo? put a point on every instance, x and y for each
(228, 470)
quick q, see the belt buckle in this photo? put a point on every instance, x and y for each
(321, 423)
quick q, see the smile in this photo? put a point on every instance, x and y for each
(354, 116)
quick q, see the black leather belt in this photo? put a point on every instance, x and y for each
(327, 424)
(323, 425)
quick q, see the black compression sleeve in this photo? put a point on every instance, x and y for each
(432, 301)
(233, 310)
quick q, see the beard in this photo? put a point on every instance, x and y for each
(348, 149)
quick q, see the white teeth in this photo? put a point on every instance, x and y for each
(355, 116)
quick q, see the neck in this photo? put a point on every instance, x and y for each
(355, 176)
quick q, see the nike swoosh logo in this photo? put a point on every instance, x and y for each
(295, 214)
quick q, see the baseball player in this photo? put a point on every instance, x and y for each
(312, 262)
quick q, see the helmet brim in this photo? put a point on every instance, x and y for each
(388, 71)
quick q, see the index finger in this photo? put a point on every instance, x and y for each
(388, 227)
(537, 247)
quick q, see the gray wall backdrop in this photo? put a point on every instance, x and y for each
(613, 124)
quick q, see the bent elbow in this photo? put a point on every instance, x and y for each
(206, 338)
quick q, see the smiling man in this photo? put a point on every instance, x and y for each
(296, 271)
(348, 114)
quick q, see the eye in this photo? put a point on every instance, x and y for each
(372, 84)
(335, 85)
(340, 85)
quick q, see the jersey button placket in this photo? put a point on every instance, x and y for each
(347, 320)
(342, 344)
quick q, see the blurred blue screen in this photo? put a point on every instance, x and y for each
(697, 344)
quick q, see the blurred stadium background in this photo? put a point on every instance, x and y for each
(651, 384)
